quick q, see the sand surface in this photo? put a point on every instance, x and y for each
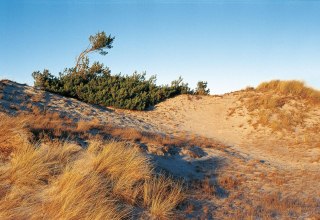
(209, 116)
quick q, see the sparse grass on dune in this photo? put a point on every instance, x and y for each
(280, 105)
(291, 87)
(181, 140)
(52, 124)
(60, 180)
(83, 126)
(252, 194)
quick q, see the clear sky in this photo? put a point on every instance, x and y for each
(231, 44)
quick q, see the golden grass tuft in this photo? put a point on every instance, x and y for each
(26, 164)
(80, 194)
(84, 125)
(125, 166)
(127, 133)
(13, 134)
(20, 180)
(161, 195)
(59, 180)
(280, 105)
(291, 87)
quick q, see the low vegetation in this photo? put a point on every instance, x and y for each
(94, 84)
(202, 88)
(291, 88)
(280, 105)
(52, 179)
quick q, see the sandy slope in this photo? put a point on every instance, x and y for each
(268, 163)
(209, 116)
(205, 116)
(20, 97)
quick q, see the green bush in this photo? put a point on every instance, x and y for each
(202, 88)
(95, 84)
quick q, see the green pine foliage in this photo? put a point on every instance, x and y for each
(95, 84)
(202, 88)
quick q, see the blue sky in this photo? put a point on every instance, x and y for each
(231, 44)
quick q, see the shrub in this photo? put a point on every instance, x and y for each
(95, 84)
(202, 88)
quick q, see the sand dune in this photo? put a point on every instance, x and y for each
(251, 169)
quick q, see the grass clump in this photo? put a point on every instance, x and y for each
(80, 195)
(126, 167)
(14, 134)
(293, 88)
(161, 195)
(281, 105)
(59, 180)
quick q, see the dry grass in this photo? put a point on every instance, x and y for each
(207, 187)
(161, 195)
(14, 134)
(60, 180)
(280, 105)
(178, 140)
(80, 194)
(54, 125)
(51, 124)
(125, 166)
(269, 195)
(291, 88)
(83, 125)
(125, 133)
(39, 97)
